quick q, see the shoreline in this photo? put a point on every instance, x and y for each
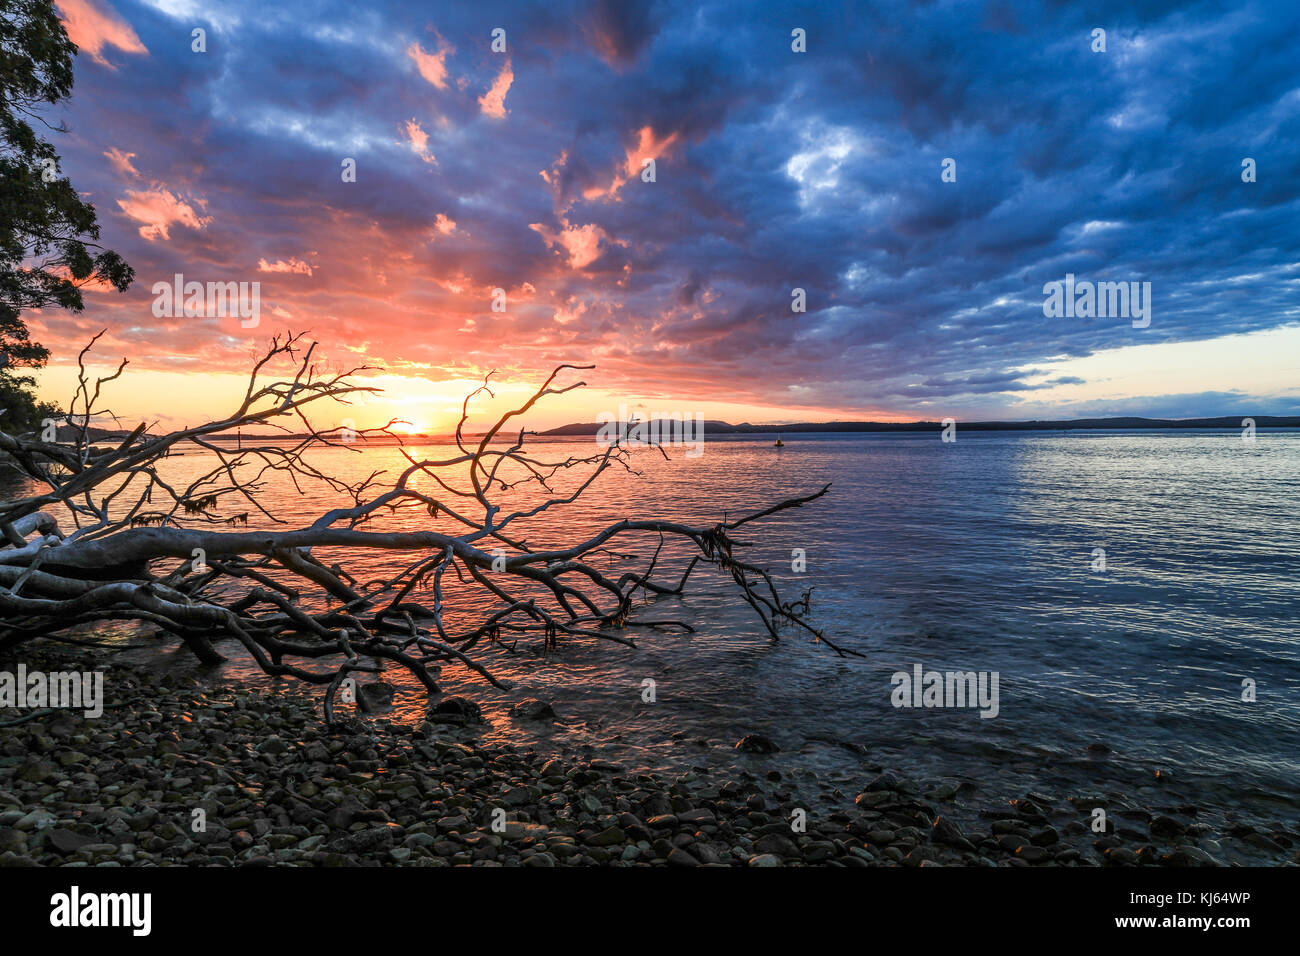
(273, 786)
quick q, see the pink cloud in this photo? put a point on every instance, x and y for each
(648, 146)
(93, 28)
(419, 141)
(432, 66)
(159, 209)
(582, 243)
(493, 102)
(293, 266)
(121, 162)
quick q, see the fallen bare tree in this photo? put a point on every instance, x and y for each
(107, 536)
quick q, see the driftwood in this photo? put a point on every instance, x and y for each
(107, 537)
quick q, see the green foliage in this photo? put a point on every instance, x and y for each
(48, 234)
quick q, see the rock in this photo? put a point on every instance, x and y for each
(1263, 841)
(707, 854)
(885, 781)
(757, 744)
(818, 850)
(1045, 837)
(701, 817)
(364, 841)
(1012, 842)
(679, 857)
(632, 824)
(36, 771)
(765, 859)
(13, 841)
(342, 816)
(1162, 826)
(873, 798)
(38, 819)
(775, 843)
(607, 837)
(375, 696)
(655, 805)
(532, 709)
(517, 797)
(946, 832)
(272, 746)
(66, 841)
(1030, 810)
(456, 710)
(1189, 856)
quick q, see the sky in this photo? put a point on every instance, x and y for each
(775, 169)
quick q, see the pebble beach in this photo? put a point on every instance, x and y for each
(178, 773)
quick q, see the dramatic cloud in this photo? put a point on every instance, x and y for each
(781, 178)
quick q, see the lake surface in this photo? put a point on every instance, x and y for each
(975, 555)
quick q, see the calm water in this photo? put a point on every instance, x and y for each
(974, 555)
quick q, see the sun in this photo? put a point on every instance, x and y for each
(412, 428)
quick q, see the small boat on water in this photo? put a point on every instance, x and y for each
(779, 443)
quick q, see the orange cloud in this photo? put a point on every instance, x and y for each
(432, 66)
(159, 209)
(493, 102)
(296, 266)
(122, 162)
(648, 146)
(582, 243)
(93, 28)
(419, 141)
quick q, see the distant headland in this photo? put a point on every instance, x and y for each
(1077, 424)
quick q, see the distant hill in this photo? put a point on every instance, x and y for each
(1078, 424)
